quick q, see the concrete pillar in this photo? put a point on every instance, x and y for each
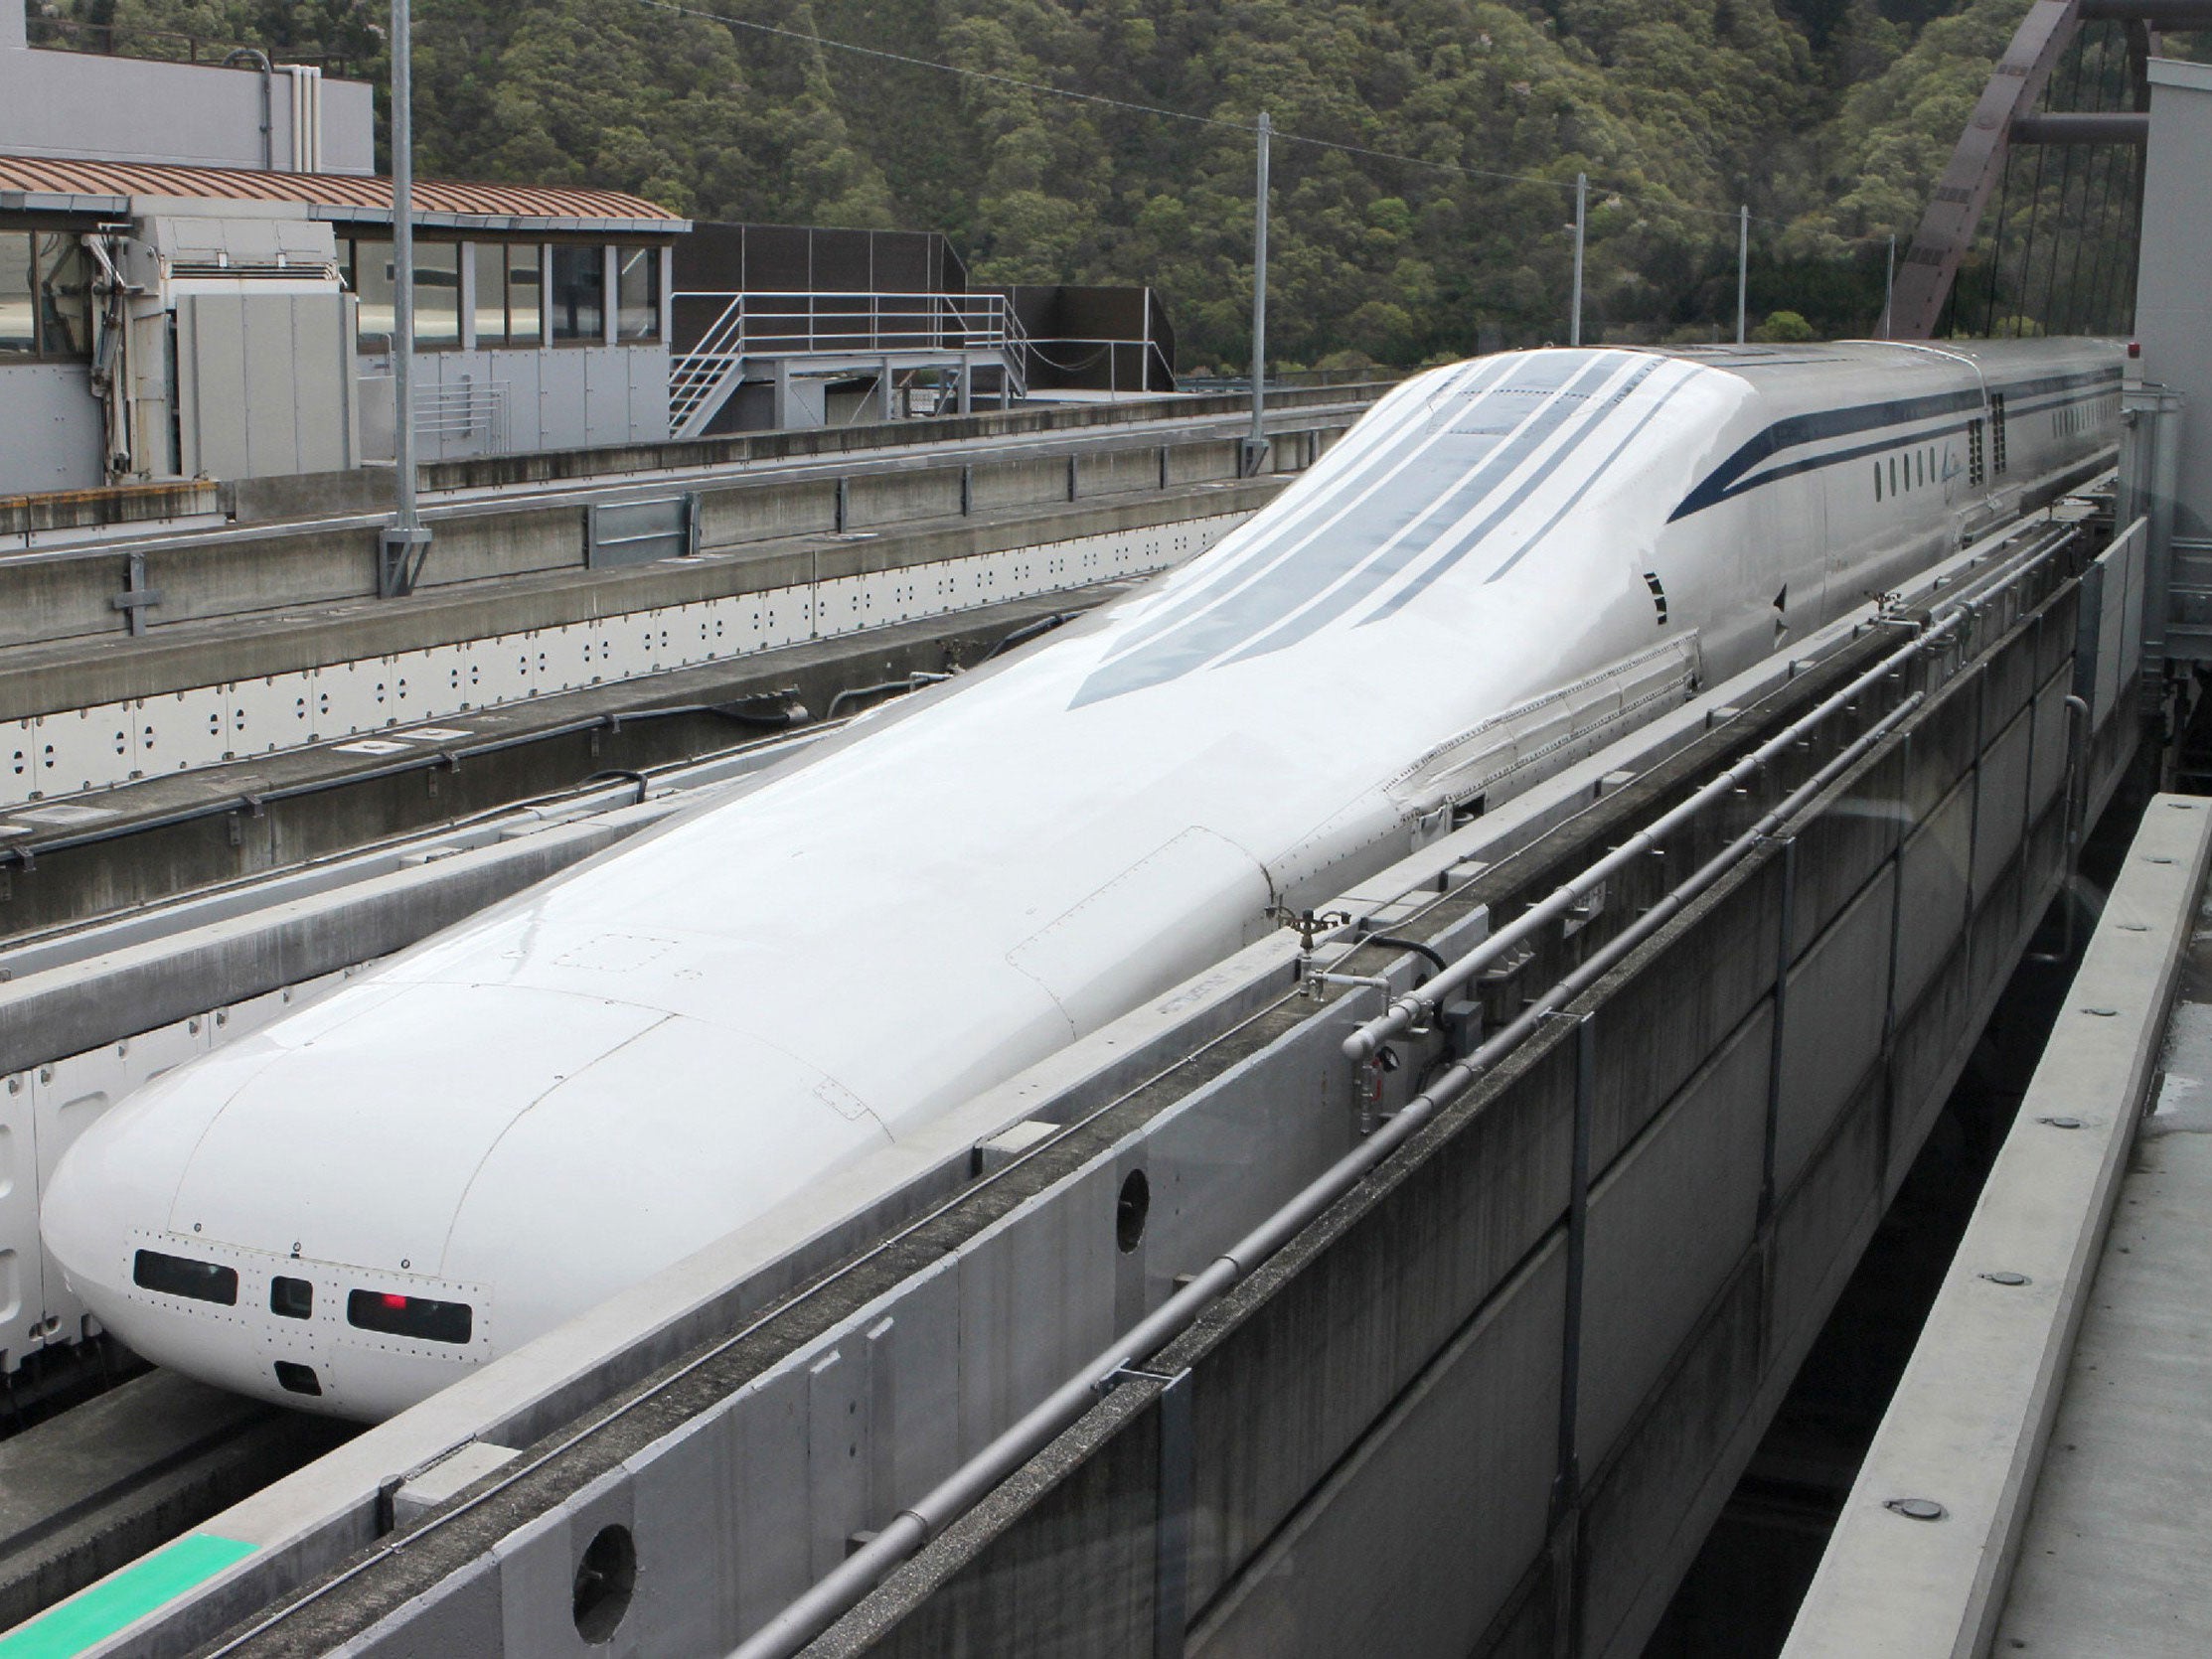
(967, 384)
(886, 390)
(12, 25)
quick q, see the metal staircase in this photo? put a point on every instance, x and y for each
(822, 334)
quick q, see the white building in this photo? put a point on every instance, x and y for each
(162, 321)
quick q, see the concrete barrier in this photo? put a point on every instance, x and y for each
(1920, 1560)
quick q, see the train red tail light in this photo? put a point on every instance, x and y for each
(419, 1317)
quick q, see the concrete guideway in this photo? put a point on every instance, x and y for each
(166, 653)
(2037, 1483)
(1986, 768)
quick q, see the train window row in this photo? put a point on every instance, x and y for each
(385, 1311)
(1911, 469)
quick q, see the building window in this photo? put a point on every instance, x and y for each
(45, 296)
(369, 271)
(526, 286)
(508, 280)
(579, 294)
(637, 293)
(19, 333)
(437, 295)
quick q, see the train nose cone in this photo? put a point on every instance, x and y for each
(117, 1183)
(332, 1151)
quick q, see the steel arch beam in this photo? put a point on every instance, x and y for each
(1953, 214)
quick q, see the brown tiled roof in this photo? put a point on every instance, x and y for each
(332, 195)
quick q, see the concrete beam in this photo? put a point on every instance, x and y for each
(1919, 1562)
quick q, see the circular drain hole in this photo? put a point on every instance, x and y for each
(605, 1579)
(1130, 1210)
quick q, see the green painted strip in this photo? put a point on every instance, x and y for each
(124, 1597)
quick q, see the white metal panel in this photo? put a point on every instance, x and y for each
(67, 1098)
(22, 1308)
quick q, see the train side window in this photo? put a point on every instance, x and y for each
(292, 1298)
(1877, 481)
(175, 1275)
(417, 1316)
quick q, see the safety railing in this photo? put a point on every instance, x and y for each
(775, 323)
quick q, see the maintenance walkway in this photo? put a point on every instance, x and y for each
(2038, 1484)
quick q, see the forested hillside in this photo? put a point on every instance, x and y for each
(1830, 117)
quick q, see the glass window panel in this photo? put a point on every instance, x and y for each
(491, 292)
(579, 293)
(64, 296)
(525, 325)
(437, 294)
(372, 279)
(637, 293)
(17, 335)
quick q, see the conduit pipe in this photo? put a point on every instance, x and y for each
(1417, 1007)
(914, 1525)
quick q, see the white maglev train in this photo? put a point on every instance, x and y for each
(1502, 563)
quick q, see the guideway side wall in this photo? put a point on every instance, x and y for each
(1490, 1403)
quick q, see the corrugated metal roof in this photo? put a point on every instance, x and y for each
(336, 195)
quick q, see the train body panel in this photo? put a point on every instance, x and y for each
(1502, 560)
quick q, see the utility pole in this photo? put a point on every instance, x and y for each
(1743, 269)
(1255, 445)
(1581, 224)
(407, 540)
(1889, 286)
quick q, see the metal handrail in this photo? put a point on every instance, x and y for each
(836, 322)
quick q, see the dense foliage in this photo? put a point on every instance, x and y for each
(1830, 117)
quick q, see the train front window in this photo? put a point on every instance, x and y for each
(177, 1276)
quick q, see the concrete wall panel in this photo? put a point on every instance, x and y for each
(1933, 902)
(2008, 680)
(1464, 1459)
(1820, 1223)
(1036, 1302)
(464, 1615)
(2001, 805)
(1838, 848)
(1633, 1506)
(1655, 1028)
(1115, 471)
(898, 497)
(1202, 463)
(1292, 1386)
(1074, 1580)
(1666, 1226)
(1833, 1024)
(2053, 741)
(1942, 741)
(1931, 1038)
(999, 484)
